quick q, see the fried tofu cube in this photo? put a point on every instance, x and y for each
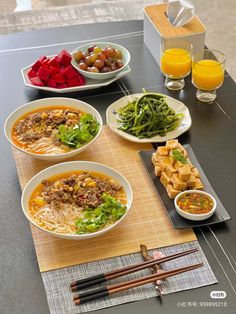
(165, 179)
(172, 144)
(157, 170)
(178, 165)
(177, 183)
(172, 161)
(191, 181)
(184, 172)
(164, 162)
(170, 170)
(195, 172)
(198, 184)
(155, 158)
(163, 150)
(172, 193)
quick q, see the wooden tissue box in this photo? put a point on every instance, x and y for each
(157, 29)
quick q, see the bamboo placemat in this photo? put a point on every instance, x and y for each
(146, 222)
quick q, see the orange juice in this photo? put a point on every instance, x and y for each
(207, 74)
(176, 62)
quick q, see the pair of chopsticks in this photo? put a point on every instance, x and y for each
(109, 290)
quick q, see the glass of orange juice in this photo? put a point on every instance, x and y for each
(208, 73)
(176, 62)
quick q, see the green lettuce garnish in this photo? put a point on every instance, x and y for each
(80, 134)
(178, 156)
(106, 213)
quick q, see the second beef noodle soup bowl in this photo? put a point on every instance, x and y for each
(54, 128)
(77, 200)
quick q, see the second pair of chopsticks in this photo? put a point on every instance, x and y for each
(109, 290)
(101, 278)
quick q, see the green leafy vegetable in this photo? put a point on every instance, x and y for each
(148, 116)
(177, 155)
(106, 213)
(80, 134)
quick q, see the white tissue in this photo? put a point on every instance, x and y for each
(180, 12)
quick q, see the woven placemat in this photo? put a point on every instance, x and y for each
(147, 221)
(59, 295)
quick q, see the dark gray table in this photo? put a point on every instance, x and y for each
(212, 136)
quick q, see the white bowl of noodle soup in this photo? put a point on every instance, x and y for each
(70, 167)
(47, 104)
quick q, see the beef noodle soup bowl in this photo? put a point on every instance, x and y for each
(53, 128)
(77, 200)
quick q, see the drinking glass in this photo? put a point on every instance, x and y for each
(208, 73)
(175, 62)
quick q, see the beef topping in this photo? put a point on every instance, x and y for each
(84, 190)
(41, 124)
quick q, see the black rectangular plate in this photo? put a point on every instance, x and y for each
(177, 221)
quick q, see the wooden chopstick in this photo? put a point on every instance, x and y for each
(109, 290)
(101, 278)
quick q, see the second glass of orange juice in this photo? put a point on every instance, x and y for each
(208, 73)
(175, 62)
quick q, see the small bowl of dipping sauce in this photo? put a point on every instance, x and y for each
(195, 205)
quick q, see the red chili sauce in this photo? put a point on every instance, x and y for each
(195, 203)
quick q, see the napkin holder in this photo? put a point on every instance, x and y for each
(158, 29)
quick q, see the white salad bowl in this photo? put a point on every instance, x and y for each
(70, 167)
(48, 103)
(195, 217)
(101, 76)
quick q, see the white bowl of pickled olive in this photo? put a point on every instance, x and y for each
(195, 205)
(101, 60)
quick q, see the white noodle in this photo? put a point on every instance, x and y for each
(45, 145)
(61, 220)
